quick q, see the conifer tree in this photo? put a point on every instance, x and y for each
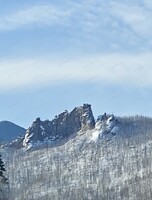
(2, 167)
(3, 181)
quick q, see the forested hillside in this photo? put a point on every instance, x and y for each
(89, 165)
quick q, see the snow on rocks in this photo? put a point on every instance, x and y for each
(105, 124)
(62, 126)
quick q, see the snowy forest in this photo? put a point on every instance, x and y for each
(116, 166)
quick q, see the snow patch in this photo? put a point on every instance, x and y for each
(95, 135)
(115, 129)
(42, 128)
(104, 125)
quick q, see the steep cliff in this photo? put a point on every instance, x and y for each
(62, 126)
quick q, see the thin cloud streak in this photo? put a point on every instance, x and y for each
(37, 14)
(134, 70)
(89, 16)
(137, 17)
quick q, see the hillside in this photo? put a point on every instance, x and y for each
(110, 161)
(9, 131)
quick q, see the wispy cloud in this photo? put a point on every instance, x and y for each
(88, 15)
(136, 16)
(111, 69)
(95, 25)
(109, 24)
(37, 14)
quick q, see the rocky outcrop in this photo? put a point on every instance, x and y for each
(106, 125)
(62, 126)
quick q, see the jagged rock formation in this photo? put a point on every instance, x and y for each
(62, 126)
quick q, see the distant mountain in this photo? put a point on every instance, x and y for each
(9, 131)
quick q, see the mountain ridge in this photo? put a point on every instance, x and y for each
(111, 161)
(64, 125)
(10, 130)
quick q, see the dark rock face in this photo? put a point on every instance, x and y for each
(62, 126)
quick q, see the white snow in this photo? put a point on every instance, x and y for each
(102, 126)
(95, 135)
(98, 125)
(43, 133)
(88, 121)
(29, 146)
(115, 129)
(42, 128)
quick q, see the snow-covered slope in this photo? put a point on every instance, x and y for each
(110, 161)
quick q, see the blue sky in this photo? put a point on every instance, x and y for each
(55, 55)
